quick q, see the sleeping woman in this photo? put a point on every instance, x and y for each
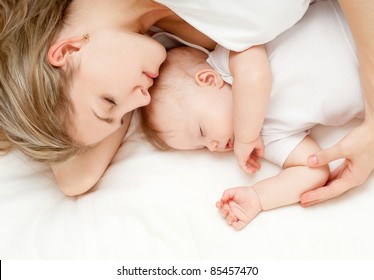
(72, 71)
(59, 63)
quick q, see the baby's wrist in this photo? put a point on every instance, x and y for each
(246, 142)
(246, 135)
(257, 196)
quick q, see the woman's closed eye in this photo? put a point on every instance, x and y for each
(111, 101)
(102, 113)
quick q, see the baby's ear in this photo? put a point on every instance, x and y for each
(59, 52)
(208, 78)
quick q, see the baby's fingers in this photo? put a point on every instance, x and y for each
(228, 195)
(238, 225)
(258, 152)
(219, 204)
(224, 210)
(231, 219)
(253, 163)
(251, 166)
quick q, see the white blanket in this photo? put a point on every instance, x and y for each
(160, 205)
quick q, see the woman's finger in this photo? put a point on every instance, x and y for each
(323, 157)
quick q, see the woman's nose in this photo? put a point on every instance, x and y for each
(144, 98)
(138, 98)
(213, 145)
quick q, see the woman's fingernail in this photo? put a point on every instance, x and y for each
(304, 201)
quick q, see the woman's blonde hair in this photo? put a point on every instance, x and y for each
(34, 105)
(177, 73)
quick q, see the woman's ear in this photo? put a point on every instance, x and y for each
(208, 78)
(60, 51)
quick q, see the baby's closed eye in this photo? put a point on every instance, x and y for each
(201, 132)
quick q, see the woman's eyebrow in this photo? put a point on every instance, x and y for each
(107, 120)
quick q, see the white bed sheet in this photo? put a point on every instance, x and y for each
(160, 205)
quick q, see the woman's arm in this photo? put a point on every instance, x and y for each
(360, 16)
(79, 174)
(357, 147)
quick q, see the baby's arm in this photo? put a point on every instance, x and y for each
(251, 93)
(79, 174)
(240, 205)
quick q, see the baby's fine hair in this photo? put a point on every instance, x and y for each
(34, 105)
(176, 74)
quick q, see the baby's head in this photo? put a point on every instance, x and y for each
(191, 106)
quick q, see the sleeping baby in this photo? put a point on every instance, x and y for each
(192, 107)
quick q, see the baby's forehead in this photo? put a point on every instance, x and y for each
(178, 139)
(167, 111)
(171, 115)
(173, 128)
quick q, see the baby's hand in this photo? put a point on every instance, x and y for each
(247, 154)
(239, 206)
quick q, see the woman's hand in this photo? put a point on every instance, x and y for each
(357, 147)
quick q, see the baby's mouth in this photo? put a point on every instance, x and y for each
(229, 144)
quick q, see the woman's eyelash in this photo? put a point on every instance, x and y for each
(110, 100)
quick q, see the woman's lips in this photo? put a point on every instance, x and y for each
(151, 75)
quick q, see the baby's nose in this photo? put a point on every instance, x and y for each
(213, 145)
